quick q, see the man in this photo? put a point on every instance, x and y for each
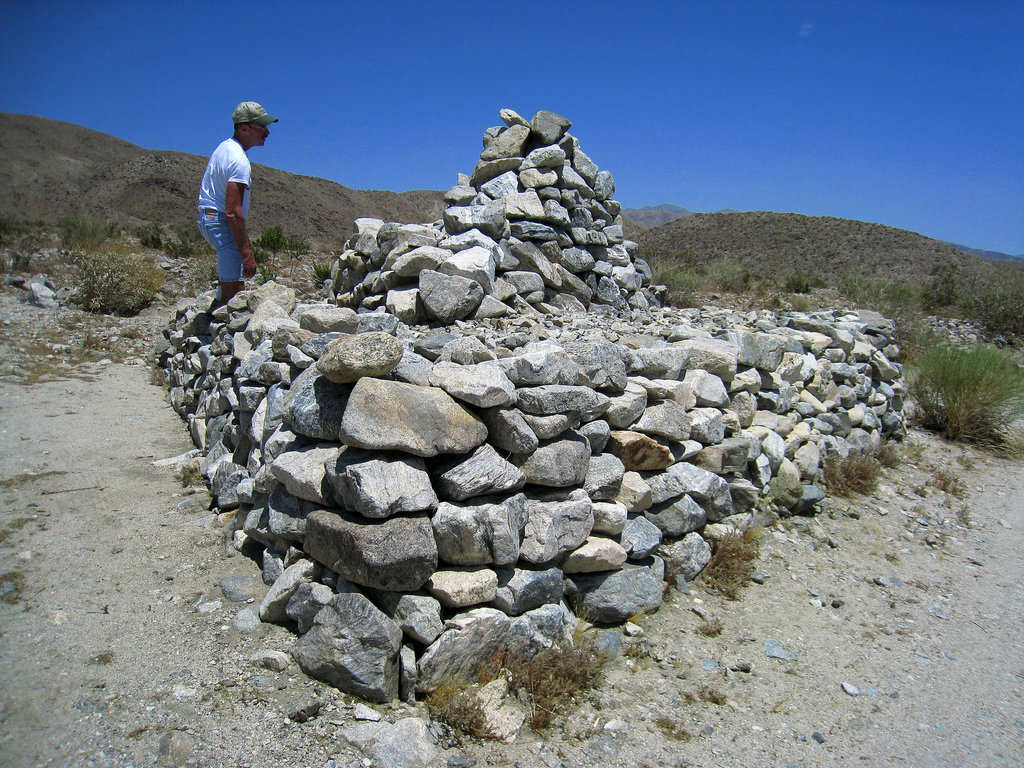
(224, 199)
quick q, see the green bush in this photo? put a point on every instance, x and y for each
(186, 242)
(86, 234)
(149, 236)
(321, 271)
(115, 283)
(996, 298)
(796, 283)
(971, 394)
(274, 239)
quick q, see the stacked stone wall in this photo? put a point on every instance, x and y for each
(424, 489)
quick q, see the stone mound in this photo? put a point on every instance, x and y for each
(493, 427)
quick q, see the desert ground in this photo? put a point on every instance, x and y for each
(885, 631)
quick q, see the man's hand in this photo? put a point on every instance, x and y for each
(248, 266)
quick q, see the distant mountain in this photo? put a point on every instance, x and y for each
(989, 255)
(656, 215)
(769, 243)
(52, 170)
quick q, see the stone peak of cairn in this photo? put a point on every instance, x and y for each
(533, 229)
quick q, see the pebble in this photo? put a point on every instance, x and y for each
(850, 690)
(775, 650)
(363, 712)
(759, 577)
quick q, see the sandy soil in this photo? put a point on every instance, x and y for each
(116, 644)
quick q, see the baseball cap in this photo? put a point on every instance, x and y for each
(251, 112)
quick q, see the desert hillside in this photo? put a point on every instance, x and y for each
(51, 170)
(786, 243)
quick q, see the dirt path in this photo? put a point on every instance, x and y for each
(117, 648)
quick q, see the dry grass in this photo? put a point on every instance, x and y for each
(852, 475)
(458, 706)
(548, 681)
(732, 563)
(711, 628)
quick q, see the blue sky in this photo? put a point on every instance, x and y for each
(909, 114)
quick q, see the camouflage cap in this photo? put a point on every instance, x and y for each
(251, 112)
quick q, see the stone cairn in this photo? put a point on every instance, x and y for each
(493, 426)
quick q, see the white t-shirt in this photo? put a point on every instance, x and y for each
(227, 163)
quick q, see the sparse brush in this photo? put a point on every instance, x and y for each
(888, 455)
(458, 707)
(673, 729)
(711, 628)
(712, 696)
(970, 394)
(117, 284)
(265, 273)
(947, 482)
(149, 236)
(553, 678)
(732, 563)
(86, 234)
(851, 475)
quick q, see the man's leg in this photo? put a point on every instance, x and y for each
(226, 290)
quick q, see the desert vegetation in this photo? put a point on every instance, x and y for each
(786, 257)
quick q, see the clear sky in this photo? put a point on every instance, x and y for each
(908, 113)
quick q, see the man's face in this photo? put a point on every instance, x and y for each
(257, 134)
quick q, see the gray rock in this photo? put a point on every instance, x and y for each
(423, 421)
(349, 358)
(604, 476)
(614, 596)
(677, 517)
(276, 600)
(687, 557)
(408, 743)
(397, 554)
(448, 298)
(561, 398)
(303, 472)
(418, 616)
(480, 534)
(559, 463)
(484, 386)
(379, 485)
(314, 406)
(640, 537)
(483, 472)
(557, 524)
(352, 646)
(667, 419)
(462, 587)
(324, 318)
(520, 590)
(306, 602)
(509, 431)
(548, 127)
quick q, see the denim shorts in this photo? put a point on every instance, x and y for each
(218, 234)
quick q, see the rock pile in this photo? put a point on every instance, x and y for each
(533, 227)
(423, 497)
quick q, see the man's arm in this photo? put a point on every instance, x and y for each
(233, 196)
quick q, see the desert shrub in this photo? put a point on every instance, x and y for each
(996, 298)
(972, 394)
(86, 234)
(265, 273)
(553, 678)
(673, 728)
(730, 277)
(941, 288)
(149, 236)
(893, 298)
(119, 284)
(321, 271)
(458, 707)
(851, 475)
(185, 242)
(274, 239)
(797, 283)
(732, 563)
